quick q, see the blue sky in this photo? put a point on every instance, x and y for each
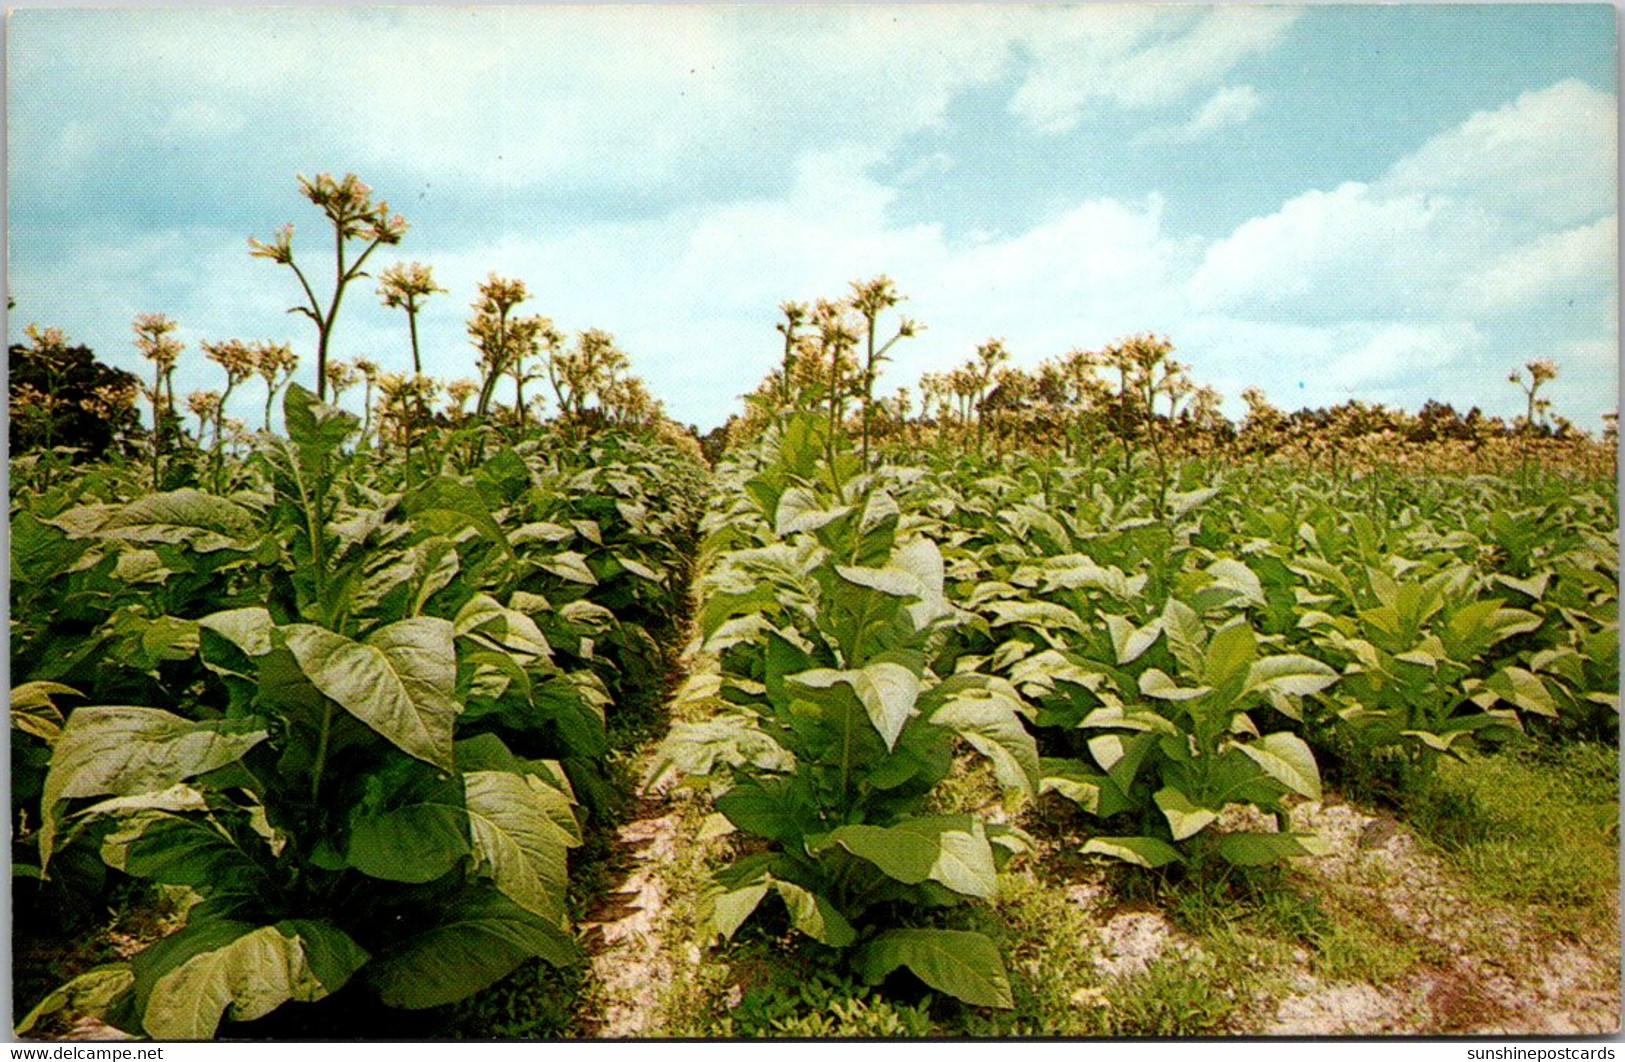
(1385, 203)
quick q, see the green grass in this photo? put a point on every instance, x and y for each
(1536, 827)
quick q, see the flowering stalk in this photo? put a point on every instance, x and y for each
(405, 285)
(1541, 371)
(275, 362)
(153, 340)
(369, 375)
(349, 207)
(870, 299)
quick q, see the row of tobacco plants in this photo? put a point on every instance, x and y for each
(1179, 645)
(352, 706)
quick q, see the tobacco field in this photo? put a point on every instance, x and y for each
(1043, 702)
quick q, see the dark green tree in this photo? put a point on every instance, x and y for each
(61, 395)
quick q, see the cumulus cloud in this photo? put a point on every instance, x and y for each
(1463, 225)
(1316, 244)
(1229, 107)
(1139, 59)
(1547, 157)
(568, 97)
(1582, 259)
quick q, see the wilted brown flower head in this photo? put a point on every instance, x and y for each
(341, 376)
(1542, 370)
(870, 297)
(110, 399)
(459, 392)
(795, 315)
(499, 295)
(348, 204)
(46, 340)
(992, 353)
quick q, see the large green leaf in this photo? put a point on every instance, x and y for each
(478, 941)
(205, 522)
(987, 718)
(445, 504)
(117, 751)
(800, 510)
(181, 850)
(33, 710)
(764, 806)
(814, 915)
(1185, 819)
(250, 977)
(1258, 849)
(1522, 689)
(1286, 758)
(570, 566)
(318, 429)
(1074, 571)
(414, 841)
(1042, 614)
(1236, 576)
(1230, 655)
(1141, 851)
(1130, 642)
(400, 680)
(1296, 675)
(522, 830)
(962, 964)
(1072, 779)
(1155, 682)
(92, 992)
(951, 850)
(249, 629)
(886, 690)
(1120, 755)
(730, 908)
(896, 582)
(1186, 634)
(496, 625)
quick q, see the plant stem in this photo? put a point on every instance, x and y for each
(321, 754)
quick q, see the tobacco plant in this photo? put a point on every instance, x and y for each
(841, 729)
(315, 794)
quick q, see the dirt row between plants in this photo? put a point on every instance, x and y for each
(1486, 970)
(1482, 970)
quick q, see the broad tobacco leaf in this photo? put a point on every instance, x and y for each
(963, 964)
(400, 680)
(118, 751)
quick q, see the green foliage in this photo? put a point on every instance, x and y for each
(1538, 828)
(823, 613)
(64, 396)
(364, 768)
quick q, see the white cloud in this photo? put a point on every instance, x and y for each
(1584, 258)
(1315, 245)
(1395, 356)
(1547, 157)
(574, 97)
(1138, 58)
(1229, 107)
(1466, 224)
